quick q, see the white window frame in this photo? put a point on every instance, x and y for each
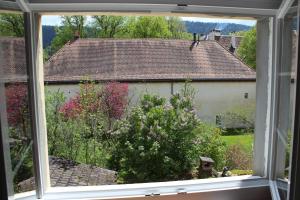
(264, 143)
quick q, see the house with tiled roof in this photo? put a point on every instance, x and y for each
(144, 60)
(158, 66)
(229, 42)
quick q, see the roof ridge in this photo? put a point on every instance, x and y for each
(235, 56)
(69, 43)
(12, 37)
(232, 35)
(153, 39)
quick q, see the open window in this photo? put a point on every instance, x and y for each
(150, 113)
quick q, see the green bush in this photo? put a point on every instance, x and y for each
(155, 142)
(238, 120)
(162, 141)
(210, 144)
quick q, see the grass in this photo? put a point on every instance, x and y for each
(245, 140)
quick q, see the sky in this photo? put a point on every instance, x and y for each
(55, 20)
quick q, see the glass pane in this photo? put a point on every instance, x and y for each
(15, 114)
(287, 79)
(141, 99)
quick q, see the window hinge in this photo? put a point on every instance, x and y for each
(181, 191)
(151, 195)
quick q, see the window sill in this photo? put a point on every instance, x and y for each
(157, 188)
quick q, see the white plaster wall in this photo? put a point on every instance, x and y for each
(69, 90)
(211, 98)
(214, 98)
(136, 90)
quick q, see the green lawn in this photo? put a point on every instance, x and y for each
(245, 141)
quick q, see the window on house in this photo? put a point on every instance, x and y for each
(14, 104)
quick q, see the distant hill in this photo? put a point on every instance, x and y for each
(48, 35)
(192, 27)
(205, 28)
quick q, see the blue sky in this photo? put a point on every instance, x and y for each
(55, 20)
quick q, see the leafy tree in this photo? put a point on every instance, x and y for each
(76, 24)
(11, 25)
(108, 26)
(247, 48)
(177, 28)
(71, 25)
(150, 27)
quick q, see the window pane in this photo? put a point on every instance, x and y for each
(15, 114)
(142, 99)
(287, 79)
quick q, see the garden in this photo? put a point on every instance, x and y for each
(158, 139)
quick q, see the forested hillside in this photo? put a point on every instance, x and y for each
(191, 27)
(204, 28)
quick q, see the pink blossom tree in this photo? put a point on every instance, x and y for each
(115, 99)
(17, 107)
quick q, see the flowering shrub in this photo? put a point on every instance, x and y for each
(72, 108)
(17, 106)
(156, 141)
(110, 100)
(114, 99)
(95, 108)
(18, 121)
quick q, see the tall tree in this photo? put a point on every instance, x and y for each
(108, 26)
(247, 48)
(11, 25)
(177, 28)
(150, 27)
(71, 25)
(75, 23)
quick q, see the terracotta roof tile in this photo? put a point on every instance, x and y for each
(13, 59)
(140, 59)
(65, 173)
(225, 41)
(127, 59)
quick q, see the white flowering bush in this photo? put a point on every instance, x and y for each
(157, 140)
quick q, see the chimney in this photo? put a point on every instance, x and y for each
(233, 44)
(233, 41)
(214, 34)
(194, 41)
(76, 35)
(195, 37)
